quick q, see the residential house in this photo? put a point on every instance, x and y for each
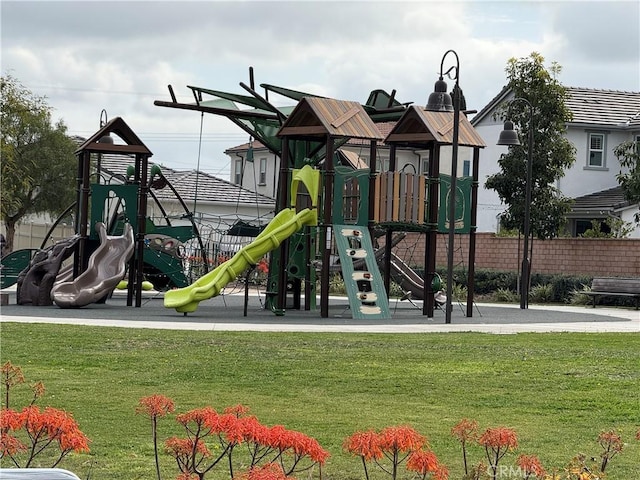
(602, 120)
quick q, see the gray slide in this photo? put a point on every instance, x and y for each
(410, 281)
(107, 266)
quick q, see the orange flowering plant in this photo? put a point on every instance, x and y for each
(11, 376)
(531, 467)
(155, 406)
(27, 434)
(263, 265)
(392, 446)
(611, 444)
(465, 431)
(211, 437)
(270, 471)
(497, 442)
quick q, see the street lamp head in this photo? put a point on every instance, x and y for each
(508, 136)
(107, 138)
(440, 100)
(103, 121)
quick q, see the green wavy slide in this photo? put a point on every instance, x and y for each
(283, 225)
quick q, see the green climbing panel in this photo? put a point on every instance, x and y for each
(12, 264)
(365, 288)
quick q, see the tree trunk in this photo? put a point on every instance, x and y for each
(10, 228)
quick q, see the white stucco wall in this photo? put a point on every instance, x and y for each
(581, 179)
(628, 215)
(251, 172)
(489, 204)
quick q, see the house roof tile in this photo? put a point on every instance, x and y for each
(604, 201)
(590, 106)
(604, 107)
(187, 182)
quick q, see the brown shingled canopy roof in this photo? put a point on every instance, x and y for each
(419, 125)
(317, 117)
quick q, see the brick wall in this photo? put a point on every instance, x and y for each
(571, 256)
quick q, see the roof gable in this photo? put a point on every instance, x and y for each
(316, 117)
(421, 125)
(117, 126)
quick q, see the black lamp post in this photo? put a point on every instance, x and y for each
(440, 101)
(508, 136)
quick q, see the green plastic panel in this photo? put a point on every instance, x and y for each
(351, 196)
(365, 288)
(463, 204)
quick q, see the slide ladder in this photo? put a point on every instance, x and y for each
(365, 288)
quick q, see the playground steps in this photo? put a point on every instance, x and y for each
(365, 288)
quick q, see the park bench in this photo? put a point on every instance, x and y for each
(615, 287)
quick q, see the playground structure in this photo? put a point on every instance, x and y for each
(355, 204)
(327, 225)
(114, 237)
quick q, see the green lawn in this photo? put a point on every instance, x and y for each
(558, 391)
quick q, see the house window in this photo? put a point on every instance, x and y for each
(425, 165)
(466, 168)
(237, 172)
(596, 150)
(263, 172)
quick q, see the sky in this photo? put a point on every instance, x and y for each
(119, 56)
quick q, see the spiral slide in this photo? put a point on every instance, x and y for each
(283, 225)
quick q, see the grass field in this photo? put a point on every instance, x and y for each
(558, 391)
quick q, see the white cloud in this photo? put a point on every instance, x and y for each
(121, 56)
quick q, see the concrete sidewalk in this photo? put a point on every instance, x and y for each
(225, 313)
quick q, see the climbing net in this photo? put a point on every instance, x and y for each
(222, 236)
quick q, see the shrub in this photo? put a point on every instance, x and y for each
(459, 292)
(498, 283)
(504, 295)
(579, 297)
(541, 293)
(395, 290)
(336, 284)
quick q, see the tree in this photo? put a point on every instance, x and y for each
(628, 154)
(38, 164)
(552, 152)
